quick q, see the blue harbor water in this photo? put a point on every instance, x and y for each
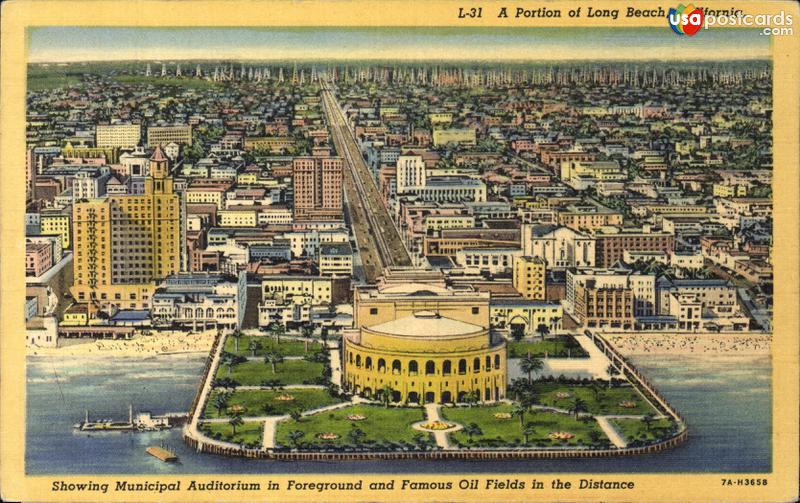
(726, 401)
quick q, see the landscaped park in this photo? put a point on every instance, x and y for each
(278, 395)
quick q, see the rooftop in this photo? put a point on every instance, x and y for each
(414, 289)
(338, 249)
(521, 302)
(443, 181)
(130, 315)
(426, 324)
(158, 155)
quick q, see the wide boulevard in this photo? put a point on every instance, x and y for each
(379, 243)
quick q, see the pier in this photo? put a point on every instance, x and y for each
(636, 377)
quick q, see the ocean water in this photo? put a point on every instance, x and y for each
(726, 401)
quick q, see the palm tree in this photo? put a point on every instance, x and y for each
(296, 415)
(612, 371)
(519, 386)
(578, 406)
(356, 435)
(221, 383)
(529, 365)
(386, 393)
(221, 401)
(254, 346)
(295, 436)
(226, 359)
(471, 398)
(647, 419)
(596, 389)
(237, 334)
(519, 410)
(517, 332)
(308, 333)
(273, 358)
(420, 440)
(528, 431)
(472, 429)
(543, 330)
(235, 421)
(277, 330)
(271, 383)
(528, 397)
(231, 360)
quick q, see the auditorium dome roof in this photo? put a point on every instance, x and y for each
(426, 323)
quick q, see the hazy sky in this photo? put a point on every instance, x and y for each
(64, 44)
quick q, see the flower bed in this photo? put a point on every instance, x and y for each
(237, 409)
(437, 425)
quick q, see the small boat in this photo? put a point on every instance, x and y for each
(144, 421)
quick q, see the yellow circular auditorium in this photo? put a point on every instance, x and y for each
(425, 358)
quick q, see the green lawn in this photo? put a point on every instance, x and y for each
(636, 431)
(508, 432)
(557, 347)
(251, 373)
(287, 347)
(606, 402)
(247, 433)
(381, 426)
(263, 402)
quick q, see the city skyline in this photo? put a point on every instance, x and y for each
(453, 233)
(82, 44)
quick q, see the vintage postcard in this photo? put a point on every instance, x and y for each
(399, 251)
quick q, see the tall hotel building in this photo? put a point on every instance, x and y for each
(125, 244)
(317, 188)
(118, 135)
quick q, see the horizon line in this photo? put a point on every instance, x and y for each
(525, 60)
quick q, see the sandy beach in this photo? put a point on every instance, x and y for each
(158, 343)
(698, 344)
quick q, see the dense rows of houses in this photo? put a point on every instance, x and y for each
(618, 206)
